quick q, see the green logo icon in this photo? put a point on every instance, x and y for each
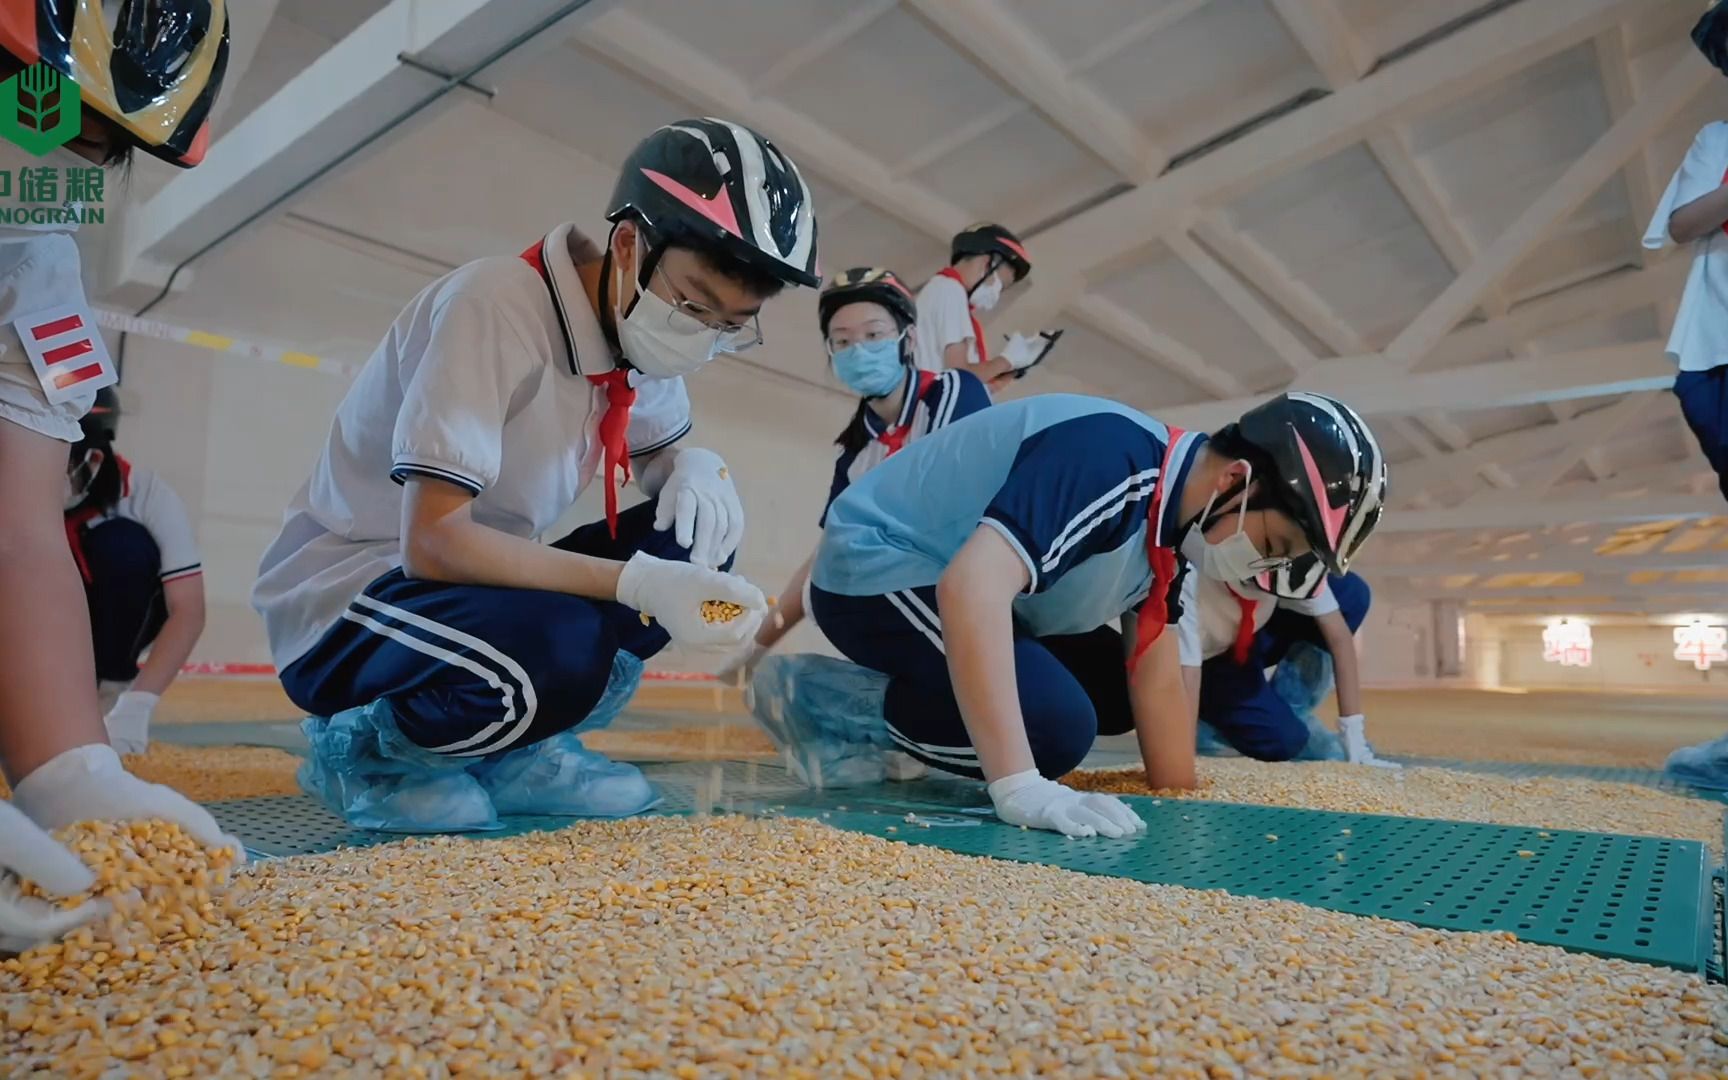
(39, 109)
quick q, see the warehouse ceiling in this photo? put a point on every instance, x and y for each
(1431, 208)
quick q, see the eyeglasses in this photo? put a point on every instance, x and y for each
(733, 337)
(873, 333)
(1267, 564)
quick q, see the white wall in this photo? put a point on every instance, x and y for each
(1624, 657)
(1393, 644)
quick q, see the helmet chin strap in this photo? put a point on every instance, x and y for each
(996, 262)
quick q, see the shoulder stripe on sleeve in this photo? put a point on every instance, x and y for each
(950, 381)
(1102, 509)
(662, 444)
(183, 572)
(404, 470)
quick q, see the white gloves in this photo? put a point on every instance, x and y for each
(1030, 800)
(673, 593)
(29, 854)
(128, 722)
(1022, 352)
(743, 662)
(1356, 748)
(90, 784)
(700, 504)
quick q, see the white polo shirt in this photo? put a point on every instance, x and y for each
(1700, 338)
(147, 499)
(944, 317)
(474, 384)
(1211, 614)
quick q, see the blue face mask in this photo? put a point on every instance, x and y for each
(870, 368)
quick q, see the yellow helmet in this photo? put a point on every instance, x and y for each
(153, 67)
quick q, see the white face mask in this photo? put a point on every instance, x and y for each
(78, 481)
(989, 291)
(1233, 559)
(659, 340)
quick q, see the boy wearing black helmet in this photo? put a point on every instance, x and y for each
(867, 316)
(973, 580)
(411, 608)
(984, 261)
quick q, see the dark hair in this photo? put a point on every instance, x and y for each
(104, 489)
(1229, 442)
(854, 436)
(714, 258)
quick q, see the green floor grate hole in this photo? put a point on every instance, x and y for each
(1635, 898)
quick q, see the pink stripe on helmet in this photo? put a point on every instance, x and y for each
(1016, 248)
(1331, 518)
(718, 209)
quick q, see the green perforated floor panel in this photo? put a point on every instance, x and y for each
(1636, 898)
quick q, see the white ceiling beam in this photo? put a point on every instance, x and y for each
(1457, 440)
(1376, 389)
(1601, 297)
(684, 70)
(1134, 333)
(1303, 304)
(353, 92)
(1284, 343)
(857, 19)
(1169, 14)
(640, 48)
(997, 41)
(1615, 67)
(248, 21)
(1417, 188)
(1338, 53)
(1533, 513)
(1596, 429)
(976, 128)
(1521, 445)
(1581, 180)
(1502, 43)
(1326, 36)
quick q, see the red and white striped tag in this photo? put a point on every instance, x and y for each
(67, 351)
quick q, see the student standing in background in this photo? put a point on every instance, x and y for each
(1694, 210)
(984, 261)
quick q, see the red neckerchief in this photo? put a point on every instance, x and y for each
(1244, 627)
(79, 517)
(977, 327)
(1725, 181)
(1155, 612)
(614, 424)
(895, 437)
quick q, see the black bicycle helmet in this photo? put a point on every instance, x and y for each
(867, 284)
(985, 238)
(1331, 475)
(103, 420)
(1710, 34)
(153, 67)
(724, 185)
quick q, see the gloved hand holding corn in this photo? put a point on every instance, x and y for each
(699, 608)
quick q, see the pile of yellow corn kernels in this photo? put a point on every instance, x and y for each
(727, 947)
(1538, 802)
